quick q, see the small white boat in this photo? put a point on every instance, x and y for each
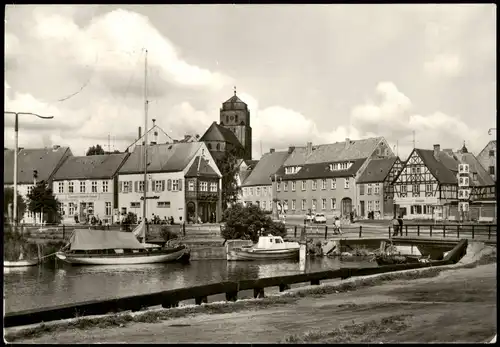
(268, 248)
(106, 247)
(21, 262)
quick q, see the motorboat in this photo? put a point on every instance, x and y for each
(268, 248)
(107, 247)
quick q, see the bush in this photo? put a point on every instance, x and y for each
(245, 223)
(168, 234)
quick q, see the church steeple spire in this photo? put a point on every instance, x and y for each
(234, 90)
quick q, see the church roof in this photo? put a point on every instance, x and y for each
(217, 132)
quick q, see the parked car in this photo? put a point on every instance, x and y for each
(319, 218)
(308, 218)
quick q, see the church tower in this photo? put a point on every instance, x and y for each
(235, 116)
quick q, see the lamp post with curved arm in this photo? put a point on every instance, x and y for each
(16, 129)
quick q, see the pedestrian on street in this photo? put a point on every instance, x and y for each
(337, 226)
(400, 221)
(395, 226)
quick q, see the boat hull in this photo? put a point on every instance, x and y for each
(20, 263)
(249, 255)
(182, 254)
(381, 261)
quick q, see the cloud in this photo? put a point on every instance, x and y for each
(444, 64)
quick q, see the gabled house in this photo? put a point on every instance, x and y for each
(86, 186)
(375, 189)
(182, 181)
(33, 165)
(488, 159)
(427, 186)
(322, 178)
(257, 187)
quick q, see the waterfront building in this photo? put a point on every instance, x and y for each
(183, 181)
(257, 187)
(375, 189)
(233, 133)
(322, 178)
(488, 159)
(245, 167)
(427, 186)
(86, 186)
(33, 165)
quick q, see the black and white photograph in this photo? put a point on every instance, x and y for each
(250, 173)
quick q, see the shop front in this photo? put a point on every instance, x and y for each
(418, 208)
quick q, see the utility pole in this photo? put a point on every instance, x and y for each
(16, 150)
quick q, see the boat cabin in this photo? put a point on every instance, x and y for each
(271, 242)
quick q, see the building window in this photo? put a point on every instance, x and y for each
(304, 183)
(293, 186)
(176, 185)
(285, 205)
(293, 205)
(278, 188)
(416, 189)
(107, 209)
(333, 203)
(376, 189)
(250, 191)
(264, 204)
(213, 187)
(158, 186)
(404, 188)
(203, 186)
(71, 187)
(264, 191)
(428, 188)
(257, 191)
(492, 153)
(82, 187)
(369, 189)
(105, 187)
(285, 186)
(323, 184)
(61, 187)
(492, 170)
(323, 204)
(244, 191)
(71, 209)
(361, 189)
(304, 202)
(346, 183)
(313, 206)
(62, 209)
(135, 204)
(370, 206)
(257, 203)
(334, 183)
(377, 205)
(140, 187)
(163, 204)
(314, 184)
(94, 187)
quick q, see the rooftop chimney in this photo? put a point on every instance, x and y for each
(140, 133)
(271, 150)
(309, 148)
(154, 120)
(437, 148)
(291, 149)
(347, 142)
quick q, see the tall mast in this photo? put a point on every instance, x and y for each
(144, 209)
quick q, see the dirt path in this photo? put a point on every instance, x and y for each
(456, 306)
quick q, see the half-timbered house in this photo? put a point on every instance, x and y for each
(427, 186)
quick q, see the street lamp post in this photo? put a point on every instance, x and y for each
(16, 130)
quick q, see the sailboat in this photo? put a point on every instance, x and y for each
(106, 247)
(21, 262)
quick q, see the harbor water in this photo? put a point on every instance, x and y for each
(55, 283)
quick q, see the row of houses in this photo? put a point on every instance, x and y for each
(182, 181)
(366, 179)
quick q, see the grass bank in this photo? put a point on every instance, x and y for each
(284, 299)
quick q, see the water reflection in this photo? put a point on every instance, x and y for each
(50, 285)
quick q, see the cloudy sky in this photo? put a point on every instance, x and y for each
(319, 73)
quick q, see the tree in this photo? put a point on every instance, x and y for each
(245, 222)
(41, 198)
(229, 170)
(8, 204)
(95, 150)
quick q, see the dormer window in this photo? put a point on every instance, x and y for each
(340, 166)
(291, 170)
